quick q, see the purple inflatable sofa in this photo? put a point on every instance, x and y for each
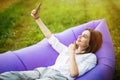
(42, 54)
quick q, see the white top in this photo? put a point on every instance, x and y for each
(85, 62)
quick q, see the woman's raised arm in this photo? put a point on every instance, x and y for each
(44, 29)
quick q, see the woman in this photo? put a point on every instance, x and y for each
(74, 60)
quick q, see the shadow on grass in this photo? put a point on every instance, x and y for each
(116, 75)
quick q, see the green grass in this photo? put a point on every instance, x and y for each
(18, 26)
(18, 29)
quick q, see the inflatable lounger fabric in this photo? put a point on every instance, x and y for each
(42, 54)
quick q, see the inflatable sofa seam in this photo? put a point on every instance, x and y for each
(20, 60)
(112, 69)
(93, 23)
(73, 33)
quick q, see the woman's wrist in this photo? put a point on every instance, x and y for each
(36, 17)
(72, 51)
(72, 54)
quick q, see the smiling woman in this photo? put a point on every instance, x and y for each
(90, 40)
(83, 40)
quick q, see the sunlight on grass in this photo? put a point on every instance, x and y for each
(5, 4)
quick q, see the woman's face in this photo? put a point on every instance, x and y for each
(83, 39)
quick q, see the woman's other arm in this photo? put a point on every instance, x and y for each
(43, 28)
(73, 65)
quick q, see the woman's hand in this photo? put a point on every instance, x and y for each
(72, 47)
(40, 23)
(35, 12)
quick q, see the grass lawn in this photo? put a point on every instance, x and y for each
(18, 29)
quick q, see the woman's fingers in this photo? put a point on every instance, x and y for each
(72, 46)
(33, 12)
(75, 43)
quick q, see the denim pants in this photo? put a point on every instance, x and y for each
(36, 74)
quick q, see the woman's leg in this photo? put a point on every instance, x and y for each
(53, 77)
(20, 75)
(51, 74)
(37, 74)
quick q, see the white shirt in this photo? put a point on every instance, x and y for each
(85, 62)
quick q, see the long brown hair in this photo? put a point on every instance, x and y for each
(95, 41)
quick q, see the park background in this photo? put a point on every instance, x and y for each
(18, 29)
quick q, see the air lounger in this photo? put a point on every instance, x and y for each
(42, 54)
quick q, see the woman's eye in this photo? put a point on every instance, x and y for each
(84, 36)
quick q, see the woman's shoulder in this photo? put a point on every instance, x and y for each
(90, 56)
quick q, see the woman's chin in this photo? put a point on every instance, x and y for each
(77, 43)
